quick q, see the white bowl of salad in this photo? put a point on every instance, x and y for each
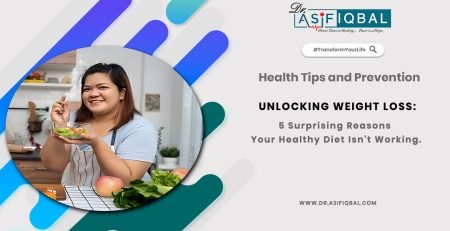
(71, 130)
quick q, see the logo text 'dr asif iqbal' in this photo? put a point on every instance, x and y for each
(339, 18)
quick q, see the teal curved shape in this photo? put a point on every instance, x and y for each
(174, 211)
(179, 11)
(213, 115)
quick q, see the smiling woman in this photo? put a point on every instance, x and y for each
(108, 106)
(101, 137)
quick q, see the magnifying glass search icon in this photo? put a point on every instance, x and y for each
(372, 48)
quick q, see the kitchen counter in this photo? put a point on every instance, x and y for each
(32, 168)
(27, 156)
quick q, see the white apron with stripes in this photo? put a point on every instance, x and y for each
(82, 169)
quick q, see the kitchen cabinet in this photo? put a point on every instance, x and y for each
(47, 85)
(65, 58)
(64, 61)
(35, 172)
(55, 73)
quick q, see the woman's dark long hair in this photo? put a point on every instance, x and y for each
(120, 78)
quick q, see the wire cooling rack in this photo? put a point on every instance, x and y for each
(84, 197)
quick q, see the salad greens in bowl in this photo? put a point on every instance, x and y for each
(71, 130)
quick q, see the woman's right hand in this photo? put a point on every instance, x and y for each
(60, 111)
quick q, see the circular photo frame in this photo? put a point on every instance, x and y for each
(104, 128)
